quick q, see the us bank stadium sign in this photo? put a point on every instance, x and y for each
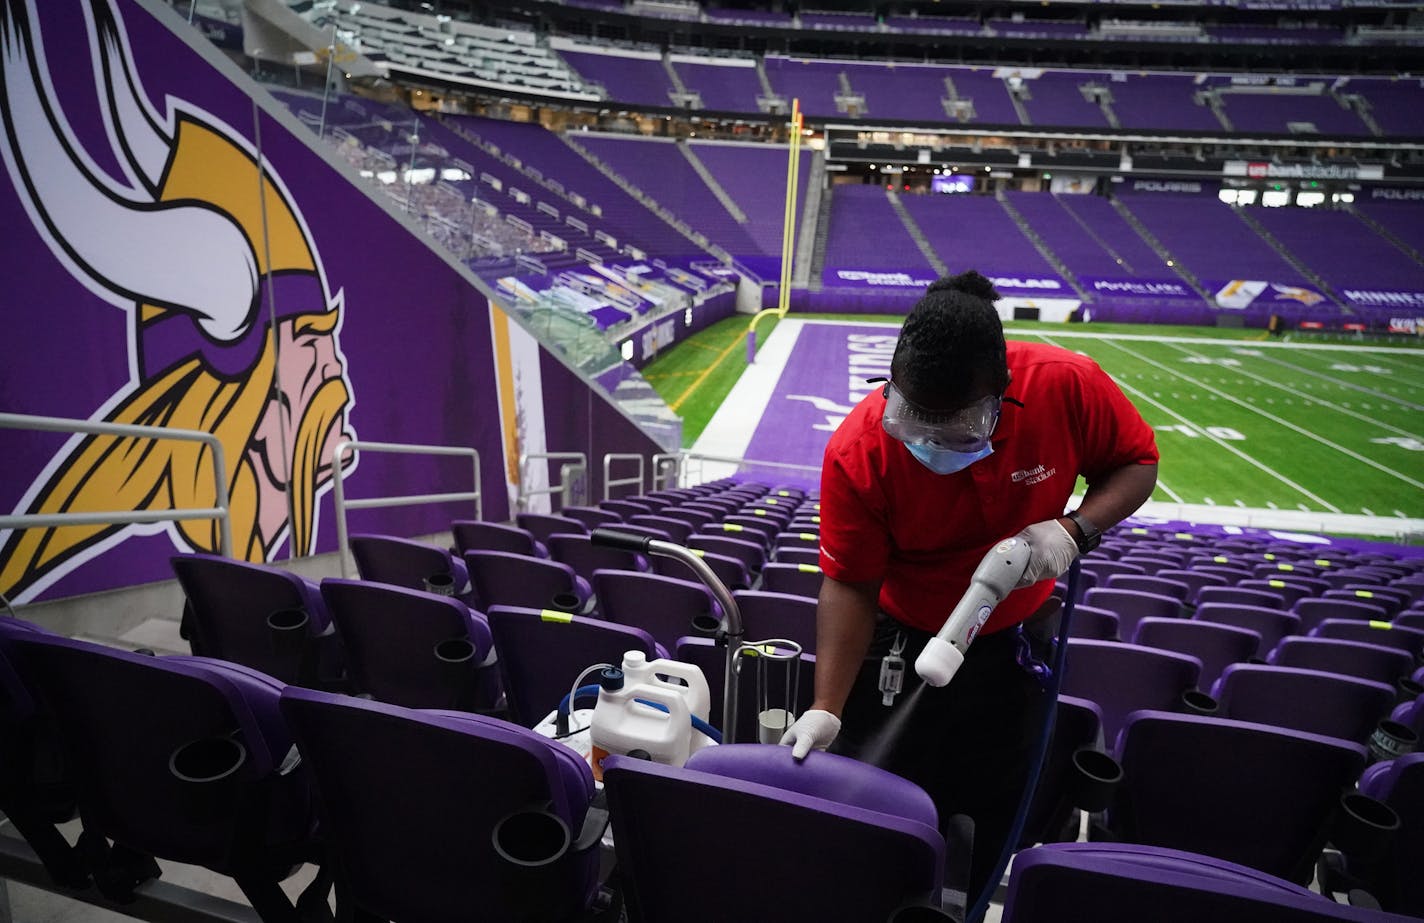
(1261, 169)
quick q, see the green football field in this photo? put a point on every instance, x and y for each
(1334, 427)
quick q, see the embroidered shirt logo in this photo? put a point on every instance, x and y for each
(1032, 475)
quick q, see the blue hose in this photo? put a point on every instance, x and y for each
(593, 690)
(1050, 711)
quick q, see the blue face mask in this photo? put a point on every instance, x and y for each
(947, 461)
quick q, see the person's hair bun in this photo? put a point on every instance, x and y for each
(970, 283)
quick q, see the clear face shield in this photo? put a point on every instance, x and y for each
(965, 430)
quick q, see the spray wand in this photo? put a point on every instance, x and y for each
(994, 578)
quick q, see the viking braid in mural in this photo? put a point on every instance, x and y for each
(233, 325)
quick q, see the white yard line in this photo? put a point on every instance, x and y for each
(1346, 384)
(1221, 442)
(730, 430)
(1241, 370)
(1418, 485)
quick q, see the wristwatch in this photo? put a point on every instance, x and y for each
(1090, 535)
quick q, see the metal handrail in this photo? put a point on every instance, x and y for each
(608, 461)
(395, 448)
(665, 475)
(221, 512)
(686, 457)
(525, 493)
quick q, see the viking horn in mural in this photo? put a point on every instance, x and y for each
(121, 238)
(233, 327)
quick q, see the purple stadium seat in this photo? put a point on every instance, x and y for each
(411, 648)
(731, 571)
(1052, 818)
(750, 553)
(1161, 586)
(415, 805)
(542, 652)
(799, 579)
(1124, 881)
(1094, 624)
(1122, 678)
(1132, 606)
(1313, 701)
(580, 553)
(1216, 646)
(866, 824)
(1271, 624)
(677, 530)
(1385, 634)
(1399, 783)
(475, 535)
(591, 516)
(1289, 590)
(1195, 580)
(203, 786)
(408, 563)
(1352, 658)
(1249, 793)
(665, 607)
(240, 610)
(503, 579)
(1239, 597)
(543, 525)
(1103, 569)
(767, 615)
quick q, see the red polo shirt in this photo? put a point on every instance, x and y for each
(886, 517)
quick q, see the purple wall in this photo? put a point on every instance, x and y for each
(412, 347)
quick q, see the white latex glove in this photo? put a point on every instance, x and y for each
(1051, 551)
(812, 731)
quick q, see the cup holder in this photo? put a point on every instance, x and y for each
(1095, 778)
(441, 584)
(207, 770)
(1196, 702)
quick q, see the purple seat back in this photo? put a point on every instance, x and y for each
(1303, 700)
(542, 653)
(1411, 714)
(1124, 881)
(664, 607)
(1161, 586)
(750, 553)
(124, 715)
(1399, 783)
(1248, 793)
(798, 556)
(1195, 580)
(767, 615)
(1271, 624)
(591, 516)
(580, 553)
(1314, 611)
(543, 525)
(1289, 590)
(405, 562)
(1132, 606)
(1094, 624)
(731, 571)
(477, 535)
(1122, 678)
(410, 800)
(230, 602)
(798, 579)
(1352, 658)
(1385, 634)
(1237, 596)
(392, 634)
(1103, 569)
(1216, 646)
(677, 529)
(718, 813)
(1390, 603)
(502, 579)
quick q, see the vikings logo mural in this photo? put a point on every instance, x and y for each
(233, 326)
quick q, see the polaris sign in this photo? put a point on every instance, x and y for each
(1006, 285)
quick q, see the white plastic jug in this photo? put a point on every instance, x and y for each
(621, 724)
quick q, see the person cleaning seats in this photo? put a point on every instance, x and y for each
(970, 442)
